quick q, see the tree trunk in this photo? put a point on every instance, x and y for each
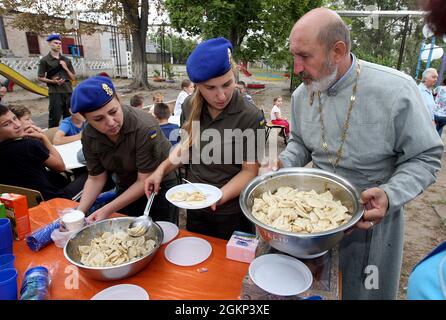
(139, 26)
(139, 62)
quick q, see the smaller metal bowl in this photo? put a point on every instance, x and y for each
(85, 235)
(302, 245)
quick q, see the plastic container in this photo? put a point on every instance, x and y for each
(73, 220)
(41, 237)
(242, 247)
(7, 261)
(36, 284)
(5, 236)
(8, 284)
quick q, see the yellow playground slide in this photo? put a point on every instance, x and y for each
(20, 80)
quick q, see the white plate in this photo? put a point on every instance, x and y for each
(280, 274)
(213, 194)
(188, 251)
(122, 292)
(170, 230)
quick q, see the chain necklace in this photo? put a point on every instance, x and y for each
(345, 127)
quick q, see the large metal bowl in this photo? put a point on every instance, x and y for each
(305, 179)
(85, 235)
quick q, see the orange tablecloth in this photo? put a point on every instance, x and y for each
(161, 279)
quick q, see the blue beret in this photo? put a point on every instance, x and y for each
(53, 36)
(92, 94)
(210, 59)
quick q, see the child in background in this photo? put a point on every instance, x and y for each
(276, 115)
(24, 115)
(241, 86)
(70, 129)
(158, 97)
(170, 130)
(187, 88)
(137, 101)
(26, 161)
(3, 91)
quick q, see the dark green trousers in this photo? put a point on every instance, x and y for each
(59, 108)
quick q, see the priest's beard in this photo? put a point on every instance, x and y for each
(326, 82)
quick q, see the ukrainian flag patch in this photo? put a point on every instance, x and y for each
(262, 121)
(152, 134)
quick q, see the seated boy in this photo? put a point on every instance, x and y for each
(24, 115)
(25, 160)
(70, 129)
(137, 101)
(241, 86)
(170, 130)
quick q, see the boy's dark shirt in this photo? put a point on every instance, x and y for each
(22, 165)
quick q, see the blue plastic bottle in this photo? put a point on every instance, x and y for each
(35, 285)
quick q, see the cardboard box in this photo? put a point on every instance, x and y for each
(17, 211)
(242, 247)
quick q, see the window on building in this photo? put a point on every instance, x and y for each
(33, 43)
(128, 43)
(66, 43)
(112, 47)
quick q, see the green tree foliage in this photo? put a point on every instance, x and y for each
(41, 17)
(46, 16)
(256, 28)
(216, 18)
(181, 46)
(382, 45)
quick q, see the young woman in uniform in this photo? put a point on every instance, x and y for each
(125, 142)
(216, 109)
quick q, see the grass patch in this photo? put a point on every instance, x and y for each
(438, 202)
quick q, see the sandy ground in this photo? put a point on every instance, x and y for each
(39, 105)
(424, 226)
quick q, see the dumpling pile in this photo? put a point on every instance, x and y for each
(113, 249)
(195, 196)
(292, 210)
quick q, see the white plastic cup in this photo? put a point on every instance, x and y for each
(73, 220)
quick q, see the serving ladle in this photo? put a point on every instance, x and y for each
(141, 224)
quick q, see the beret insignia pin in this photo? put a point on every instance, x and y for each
(107, 89)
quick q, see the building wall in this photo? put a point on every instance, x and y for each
(106, 47)
(92, 46)
(96, 46)
(16, 39)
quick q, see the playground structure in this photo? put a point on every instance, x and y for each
(429, 52)
(261, 75)
(269, 76)
(22, 81)
(373, 16)
(243, 66)
(23, 71)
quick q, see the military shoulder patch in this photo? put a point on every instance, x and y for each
(152, 134)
